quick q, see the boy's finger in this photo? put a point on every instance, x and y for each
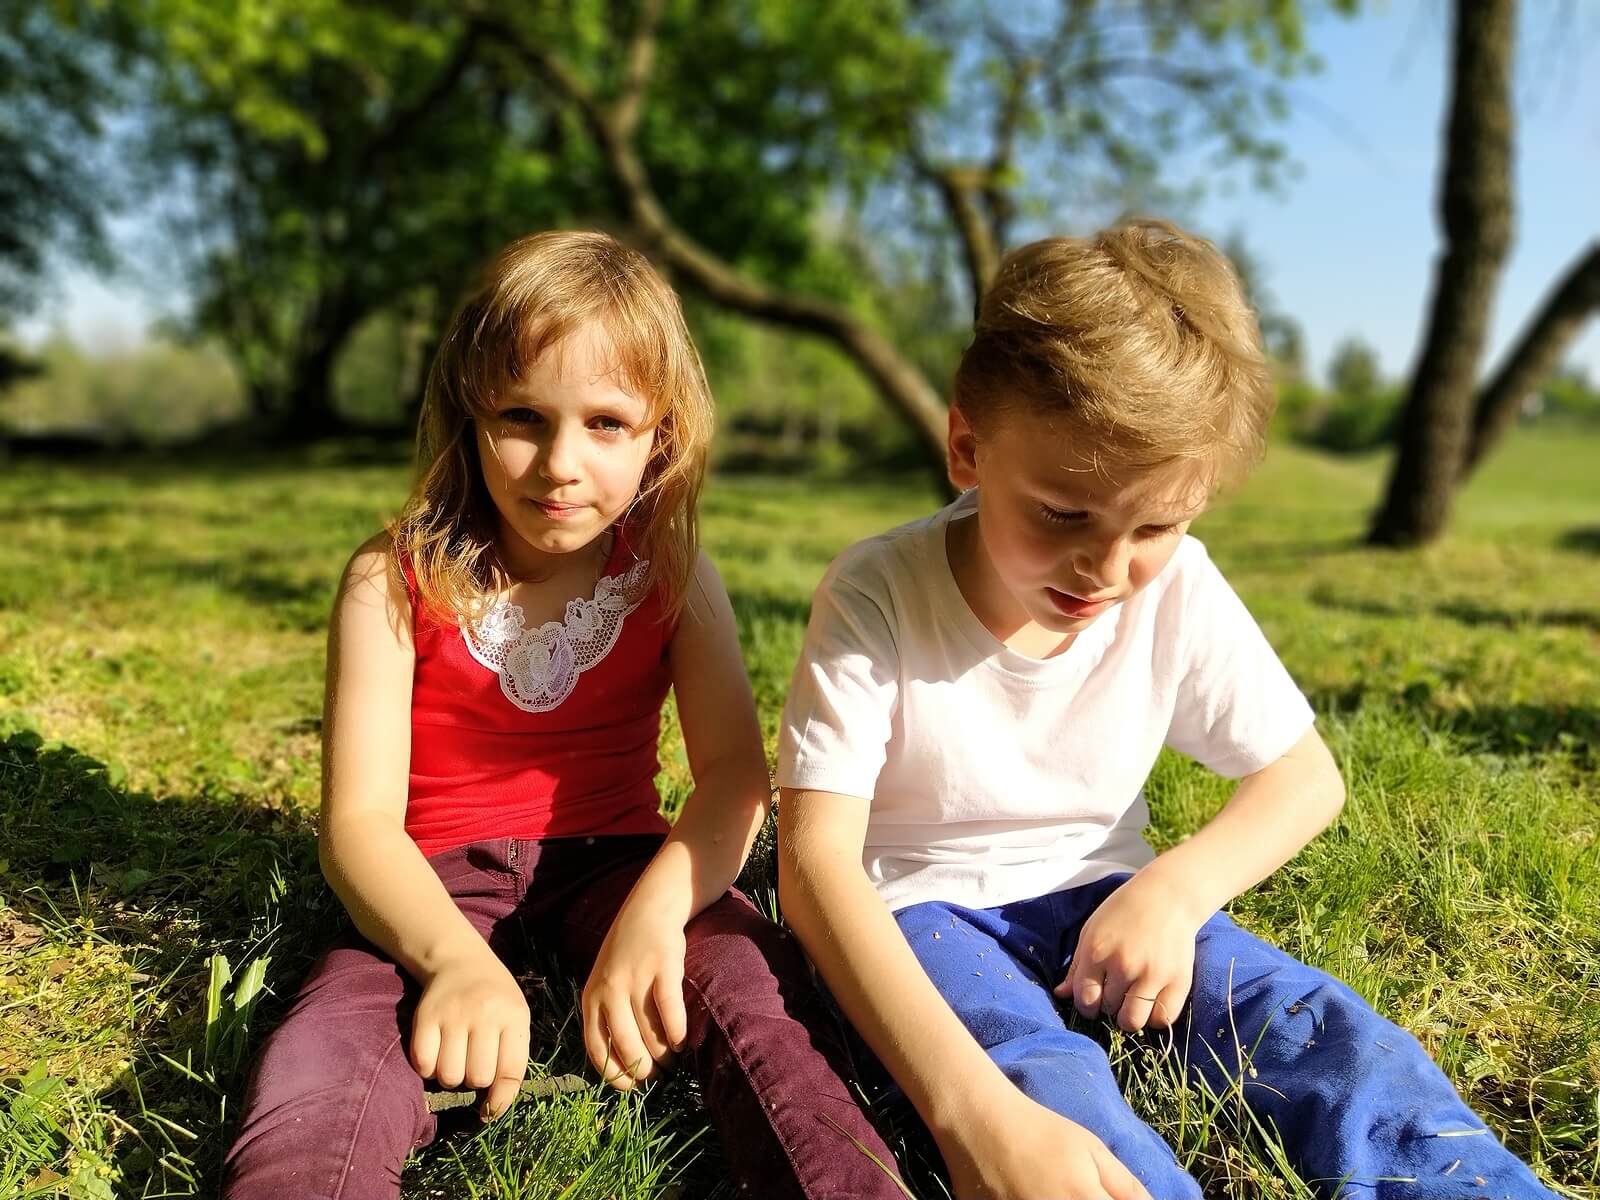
(1119, 1182)
(1169, 1004)
(424, 1047)
(1087, 992)
(669, 1003)
(1134, 1014)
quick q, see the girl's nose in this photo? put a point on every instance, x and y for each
(560, 461)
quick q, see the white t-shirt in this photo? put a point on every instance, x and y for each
(996, 777)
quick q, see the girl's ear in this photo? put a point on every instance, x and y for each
(961, 449)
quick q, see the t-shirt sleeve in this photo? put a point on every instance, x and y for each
(1237, 709)
(837, 721)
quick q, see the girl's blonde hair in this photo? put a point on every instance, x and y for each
(536, 292)
(1140, 336)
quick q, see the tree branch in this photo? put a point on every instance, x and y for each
(641, 62)
(406, 118)
(897, 380)
(1534, 356)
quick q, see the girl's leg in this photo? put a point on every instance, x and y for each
(334, 1106)
(1362, 1110)
(763, 1046)
(990, 965)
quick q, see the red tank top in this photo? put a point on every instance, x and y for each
(546, 732)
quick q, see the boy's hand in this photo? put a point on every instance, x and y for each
(633, 1013)
(472, 1027)
(1020, 1150)
(1135, 958)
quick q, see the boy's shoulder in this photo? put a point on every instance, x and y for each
(880, 565)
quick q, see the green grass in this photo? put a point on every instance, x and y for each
(160, 662)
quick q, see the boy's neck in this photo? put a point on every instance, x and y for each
(994, 607)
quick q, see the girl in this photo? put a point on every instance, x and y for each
(512, 638)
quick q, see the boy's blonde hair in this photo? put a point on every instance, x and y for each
(1140, 337)
(536, 292)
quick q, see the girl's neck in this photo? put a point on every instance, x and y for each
(528, 565)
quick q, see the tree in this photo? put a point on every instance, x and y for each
(1026, 93)
(1446, 427)
(52, 103)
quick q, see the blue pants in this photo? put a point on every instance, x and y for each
(1361, 1109)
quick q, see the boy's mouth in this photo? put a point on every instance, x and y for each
(1076, 606)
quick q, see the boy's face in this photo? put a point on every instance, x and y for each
(1059, 542)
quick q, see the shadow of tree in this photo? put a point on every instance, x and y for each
(1466, 612)
(167, 882)
(1508, 730)
(1585, 538)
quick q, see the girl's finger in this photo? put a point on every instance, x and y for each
(451, 1068)
(482, 1057)
(650, 1030)
(669, 1003)
(510, 1070)
(625, 1046)
(424, 1046)
(595, 1037)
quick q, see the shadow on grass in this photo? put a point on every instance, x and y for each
(1465, 612)
(167, 882)
(1506, 730)
(1585, 538)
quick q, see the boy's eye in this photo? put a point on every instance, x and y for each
(1057, 516)
(1159, 530)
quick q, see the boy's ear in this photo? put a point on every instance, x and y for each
(961, 450)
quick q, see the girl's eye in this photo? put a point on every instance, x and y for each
(608, 425)
(1057, 516)
(519, 416)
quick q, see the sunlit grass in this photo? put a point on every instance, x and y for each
(160, 662)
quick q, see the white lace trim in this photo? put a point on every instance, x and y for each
(538, 668)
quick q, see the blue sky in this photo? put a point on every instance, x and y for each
(1347, 247)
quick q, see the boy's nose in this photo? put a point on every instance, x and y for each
(1104, 564)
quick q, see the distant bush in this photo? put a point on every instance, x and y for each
(156, 393)
(1357, 411)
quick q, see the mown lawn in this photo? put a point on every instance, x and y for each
(160, 663)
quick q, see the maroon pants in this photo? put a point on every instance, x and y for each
(334, 1106)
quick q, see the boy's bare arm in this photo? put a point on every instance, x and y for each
(1134, 960)
(1270, 818)
(995, 1141)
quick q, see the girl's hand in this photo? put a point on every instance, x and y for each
(1020, 1150)
(1135, 958)
(633, 1012)
(472, 1027)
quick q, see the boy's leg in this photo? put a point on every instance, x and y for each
(334, 1106)
(771, 1065)
(987, 964)
(1362, 1110)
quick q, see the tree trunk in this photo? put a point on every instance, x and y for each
(308, 413)
(1475, 204)
(1535, 355)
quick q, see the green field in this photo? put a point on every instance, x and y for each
(160, 684)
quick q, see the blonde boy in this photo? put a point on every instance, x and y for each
(981, 696)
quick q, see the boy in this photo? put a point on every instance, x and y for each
(980, 699)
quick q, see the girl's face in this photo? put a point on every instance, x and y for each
(563, 452)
